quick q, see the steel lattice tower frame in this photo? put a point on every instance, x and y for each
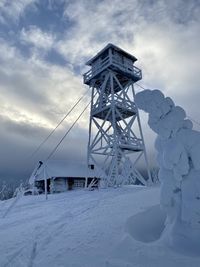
(114, 148)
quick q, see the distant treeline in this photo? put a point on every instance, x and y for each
(7, 190)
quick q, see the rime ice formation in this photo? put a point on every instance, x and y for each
(178, 147)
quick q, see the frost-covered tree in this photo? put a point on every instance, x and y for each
(154, 175)
(178, 147)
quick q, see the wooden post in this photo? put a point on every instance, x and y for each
(86, 182)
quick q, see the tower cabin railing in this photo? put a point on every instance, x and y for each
(112, 61)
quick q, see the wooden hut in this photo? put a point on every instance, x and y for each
(61, 176)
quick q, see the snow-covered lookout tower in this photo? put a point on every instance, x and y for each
(115, 145)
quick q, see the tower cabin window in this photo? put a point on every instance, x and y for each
(122, 60)
(97, 64)
(118, 57)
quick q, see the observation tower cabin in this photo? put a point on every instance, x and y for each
(116, 59)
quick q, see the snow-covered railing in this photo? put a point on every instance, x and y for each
(96, 68)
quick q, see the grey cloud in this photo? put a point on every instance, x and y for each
(37, 86)
(20, 84)
(22, 129)
(11, 10)
(19, 140)
(121, 22)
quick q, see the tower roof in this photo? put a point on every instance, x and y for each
(89, 62)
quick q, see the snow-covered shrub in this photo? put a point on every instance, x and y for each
(178, 147)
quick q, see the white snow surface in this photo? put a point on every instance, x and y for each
(102, 228)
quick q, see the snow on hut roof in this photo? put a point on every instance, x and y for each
(89, 62)
(60, 168)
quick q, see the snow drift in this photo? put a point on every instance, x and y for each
(178, 147)
(146, 226)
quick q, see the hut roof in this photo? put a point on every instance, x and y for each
(60, 168)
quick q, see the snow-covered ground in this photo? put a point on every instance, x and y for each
(111, 227)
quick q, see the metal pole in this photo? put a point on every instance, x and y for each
(90, 128)
(115, 139)
(45, 182)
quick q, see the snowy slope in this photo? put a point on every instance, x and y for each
(115, 227)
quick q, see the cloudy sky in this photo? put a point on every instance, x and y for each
(44, 45)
